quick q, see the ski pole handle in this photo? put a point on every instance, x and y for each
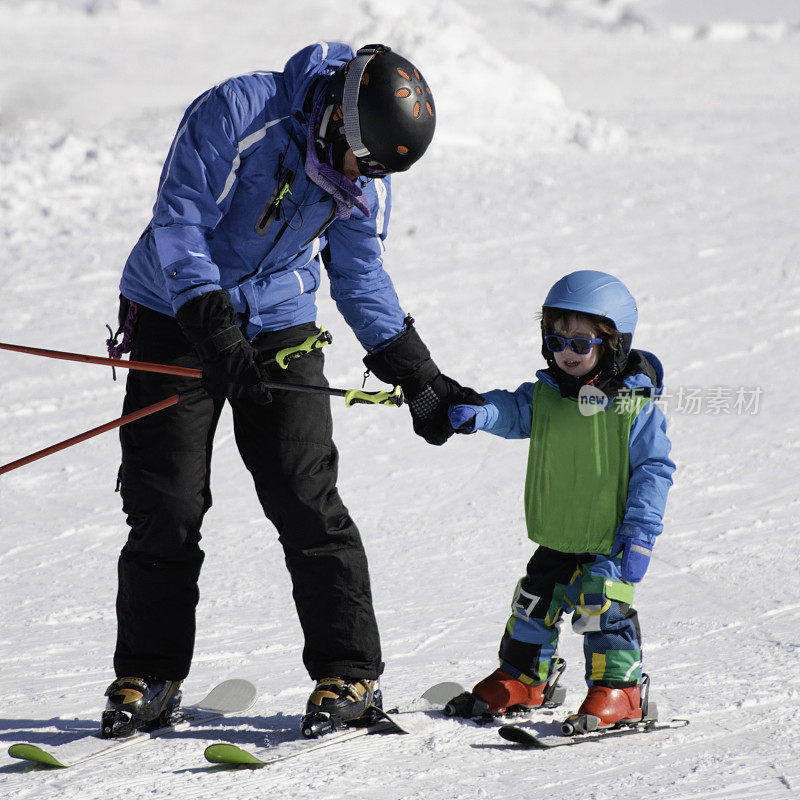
(108, 426)
(393, 398)
(313, 342)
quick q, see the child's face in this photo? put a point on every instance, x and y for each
(572, 363)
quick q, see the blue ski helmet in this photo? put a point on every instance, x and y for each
(591, 292)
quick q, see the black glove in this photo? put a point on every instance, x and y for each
(230, 367)
(428, 393)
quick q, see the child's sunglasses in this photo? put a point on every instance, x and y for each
(579, 345)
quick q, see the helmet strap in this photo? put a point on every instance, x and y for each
(330, 146)
(334, 154)
(352, 86)
(323, 125)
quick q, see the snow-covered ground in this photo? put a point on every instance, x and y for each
(656, 139)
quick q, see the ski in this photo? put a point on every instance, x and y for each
(441, 693)
(524, 737)
(233, 755)
(229, 697)
(229, 754)
(442, 697)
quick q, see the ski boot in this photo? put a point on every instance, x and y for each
(338, 702)
(136, 704)
(500, 694)
(606, 707)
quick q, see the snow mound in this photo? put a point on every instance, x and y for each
(483, 97)
(74, 204)
(733, 31)
(87, 7)
(716, 20)
(605, 14)
(58, 166)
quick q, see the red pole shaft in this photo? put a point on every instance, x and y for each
(186, 372)
(109, 426)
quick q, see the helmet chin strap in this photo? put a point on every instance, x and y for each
(335, 153)
(323, 125)
(331, 151)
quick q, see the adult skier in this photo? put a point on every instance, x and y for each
(268, 173)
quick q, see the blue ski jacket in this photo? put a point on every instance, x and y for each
(236, 211)
(509, 415)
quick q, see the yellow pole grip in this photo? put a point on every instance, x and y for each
(393, 398)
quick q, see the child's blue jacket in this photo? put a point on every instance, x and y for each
(508, 414)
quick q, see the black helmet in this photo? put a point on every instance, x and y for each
(382, 108)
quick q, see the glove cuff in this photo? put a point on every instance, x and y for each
(405, 360)
(206, 315)
(210, 323)
(218, 342)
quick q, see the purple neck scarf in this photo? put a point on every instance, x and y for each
(345, 193)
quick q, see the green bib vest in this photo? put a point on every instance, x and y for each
(578, 469)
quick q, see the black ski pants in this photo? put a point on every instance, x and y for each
(164, 480)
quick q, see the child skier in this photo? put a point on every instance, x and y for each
(595, 491)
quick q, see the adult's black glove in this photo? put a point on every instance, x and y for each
(429, 393)
(230, 365)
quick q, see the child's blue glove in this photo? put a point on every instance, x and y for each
(467, 419)
(635, 555)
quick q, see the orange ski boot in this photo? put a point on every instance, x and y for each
(605, 707)
(501, 693)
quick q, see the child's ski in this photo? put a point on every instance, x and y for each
(229, 697)
(526, 738)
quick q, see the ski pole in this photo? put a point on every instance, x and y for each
(351, 396)
(166, 369)
(108, 426)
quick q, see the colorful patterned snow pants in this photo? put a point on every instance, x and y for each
(589, 586)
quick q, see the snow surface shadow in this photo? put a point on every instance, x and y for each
(17, 767)
(260, 731)
(210, 768)
(31, 730)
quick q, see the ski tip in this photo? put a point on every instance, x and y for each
(441, 693)
(32, 752)
(517, 735)
(386, 722)
(236, 694)
(230, 754)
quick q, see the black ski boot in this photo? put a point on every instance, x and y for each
(336, 702)
(136, 704)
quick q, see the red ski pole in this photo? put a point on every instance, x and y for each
(351, 396)
(166, 369)
(109, 426)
